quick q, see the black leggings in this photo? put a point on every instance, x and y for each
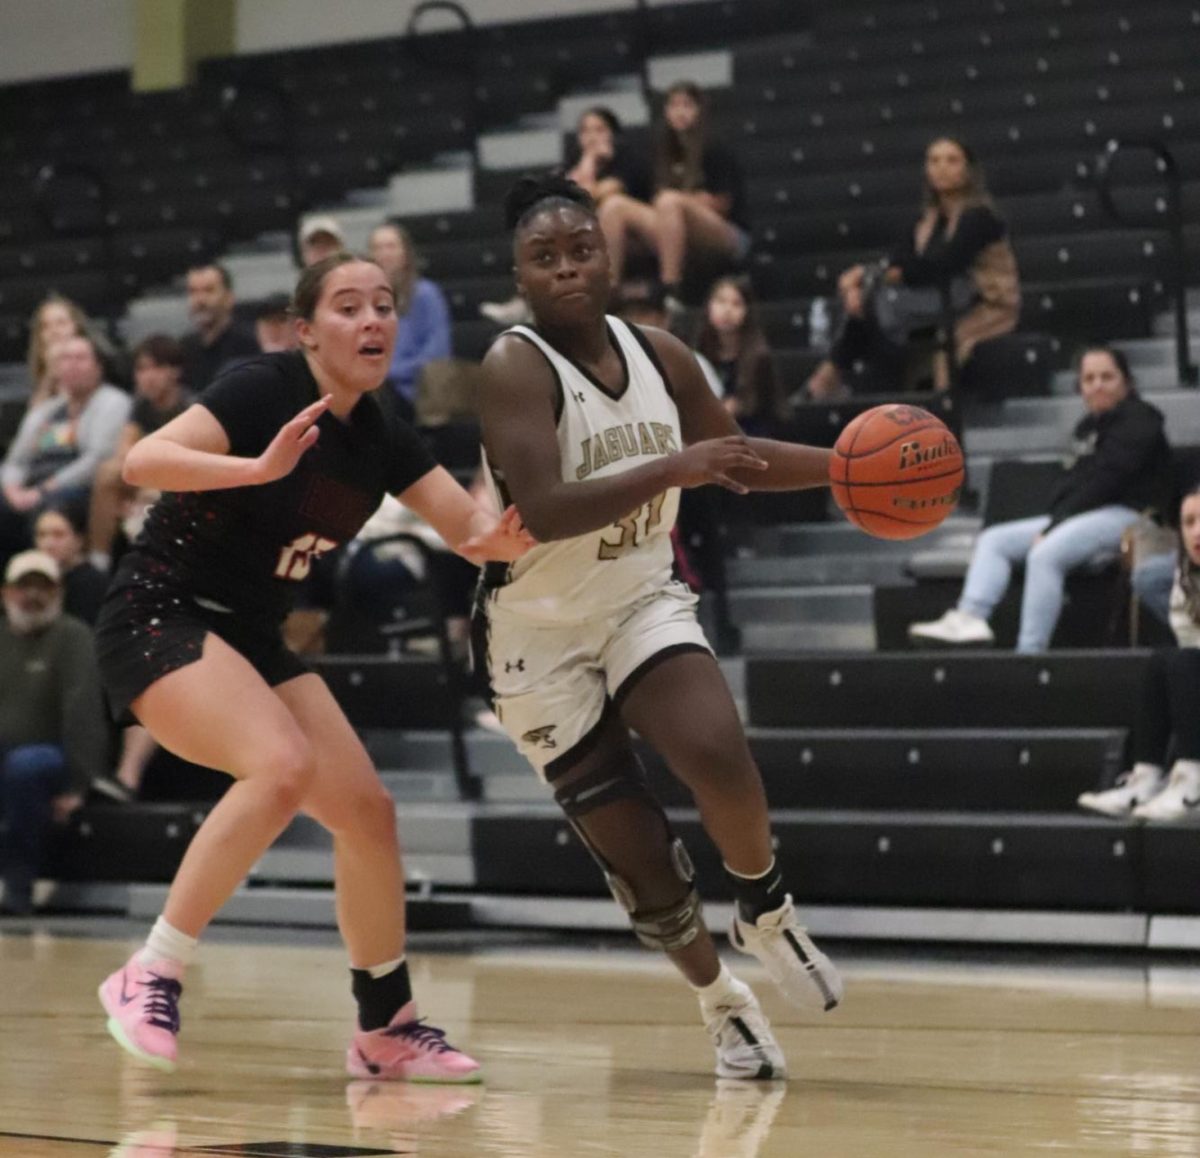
(1170, 707)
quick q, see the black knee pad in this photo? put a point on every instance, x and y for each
(620, 778)
(668, 928)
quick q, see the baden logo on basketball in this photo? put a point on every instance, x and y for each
(913, 454)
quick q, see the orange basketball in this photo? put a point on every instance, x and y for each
(896, 471)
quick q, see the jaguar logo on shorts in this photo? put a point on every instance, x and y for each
(541, 737)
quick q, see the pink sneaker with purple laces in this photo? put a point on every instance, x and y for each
(142, 1003)
(408, 1050)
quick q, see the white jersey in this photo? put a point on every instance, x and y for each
(600, 434)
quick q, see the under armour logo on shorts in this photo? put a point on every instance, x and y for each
(517, 665)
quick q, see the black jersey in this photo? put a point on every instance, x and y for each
(244, 548)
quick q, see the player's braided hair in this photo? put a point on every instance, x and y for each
(532, 194)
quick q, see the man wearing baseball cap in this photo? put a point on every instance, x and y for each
(320, 237)
(53, 734)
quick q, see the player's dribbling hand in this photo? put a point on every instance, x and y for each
(505, 542)
(294, 438)
(712, 461)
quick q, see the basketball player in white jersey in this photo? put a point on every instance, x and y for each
(591, 426)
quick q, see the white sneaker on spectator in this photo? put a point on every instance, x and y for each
(1181, 797)
(513, 312)
(1137, 786)
(111, 787)
(954, 627)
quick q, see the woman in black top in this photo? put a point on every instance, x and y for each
(699, 199)
(600, 162)
(1120, 467)
(959, 242)
(282, 460)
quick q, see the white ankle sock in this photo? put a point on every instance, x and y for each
(378, 971)
(1143, 769)
(1190, 766)
(167, 943)
(725, 988)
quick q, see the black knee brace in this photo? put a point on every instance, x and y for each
(677, 925)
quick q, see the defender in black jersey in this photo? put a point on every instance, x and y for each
(281, 460)
(591, 427)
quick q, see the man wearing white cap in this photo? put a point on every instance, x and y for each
(53, 735)
(320, 237)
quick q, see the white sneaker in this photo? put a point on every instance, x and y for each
(954, 627)
(1179, 800)
(1132, 788)
(513, 312)
(746, 1047)
(803, 974)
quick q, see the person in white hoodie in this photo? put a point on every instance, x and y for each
(1169, 718)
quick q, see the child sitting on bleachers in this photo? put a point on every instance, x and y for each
(959, 247)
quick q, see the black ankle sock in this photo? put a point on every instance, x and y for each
(380, 997)
(757, 895)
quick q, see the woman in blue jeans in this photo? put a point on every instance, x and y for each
(1119, 467)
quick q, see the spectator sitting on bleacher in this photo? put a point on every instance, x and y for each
(599, 163)
(319, 238)
(61, 532)
(1120, 468)
(732, 339)
(1169, 701)
(699, 197)
(422, 316)
(53, 734)
(61, 443)
(159, 396)
(217, 341)
(960, 245)
(274, 326)
(55, 319)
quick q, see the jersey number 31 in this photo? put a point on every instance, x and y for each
(632, 529)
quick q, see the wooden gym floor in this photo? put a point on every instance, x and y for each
(597, 1051)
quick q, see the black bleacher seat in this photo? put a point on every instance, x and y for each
(483, 223)
(1077, 311)
(465, 295)
(1070, 689)
(951, 769)
(132, 842)
(477, 258)
(888, 858)
(1019, 365)
(90, 290)
(14, 336)
(385, 692)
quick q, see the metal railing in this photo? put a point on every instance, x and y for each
(1173, 212)
(465, 61)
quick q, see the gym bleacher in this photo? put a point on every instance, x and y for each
(916, 795)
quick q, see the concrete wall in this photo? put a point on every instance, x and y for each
(43, 38)
(40, 38)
